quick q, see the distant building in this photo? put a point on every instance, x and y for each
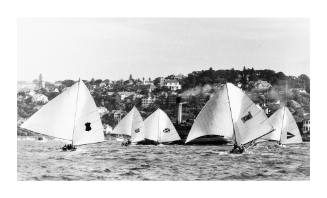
(172, 84)
(147, 101)
(110, 93)
(301, 90)
(125, 94)
(40, 83)
(102, 111)
(40, 98)
(262, 85)
(171, 99)
(118, 114)
(147, 82)
(103, 84)
(306, 125)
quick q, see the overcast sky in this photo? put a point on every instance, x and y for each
(113, 48)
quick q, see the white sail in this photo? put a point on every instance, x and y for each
(132, 125)
(214, 118)
(250, 122)
(290, 131)
(56, 118)
(88, 126)
(65, 116)
(276, 119)
(137, 130)
(287, 131)
(159, 128)
(232, 114)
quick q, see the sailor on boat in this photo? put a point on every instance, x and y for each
(68, 147)
(126, 142)
(237, 149)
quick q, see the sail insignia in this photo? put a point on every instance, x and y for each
(88, 126)
(289, 135)
(246, 117)
(166, 130)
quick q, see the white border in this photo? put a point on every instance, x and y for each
(11, 10)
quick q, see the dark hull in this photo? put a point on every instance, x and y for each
(183, 131)
(151, 142)
(209, 140)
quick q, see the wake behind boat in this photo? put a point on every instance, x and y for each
(71, 116)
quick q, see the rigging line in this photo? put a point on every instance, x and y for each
(260, 136)
(75, 111)
(281, 130)
(158, 127)
(132, 117)
(230, 109)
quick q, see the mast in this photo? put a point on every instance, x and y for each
(75, 110)
(159, 134)
(230, 109)
(281, 129)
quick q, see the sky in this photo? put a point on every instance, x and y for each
(114, 48)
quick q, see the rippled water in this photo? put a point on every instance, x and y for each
(43, 160)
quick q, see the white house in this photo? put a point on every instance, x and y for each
(40, 98)
(172, 84)
(125, 94)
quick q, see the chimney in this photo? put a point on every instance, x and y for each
(179, 109)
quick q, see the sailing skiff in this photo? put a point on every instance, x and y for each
(71, 116)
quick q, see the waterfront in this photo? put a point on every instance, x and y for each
(43, 160)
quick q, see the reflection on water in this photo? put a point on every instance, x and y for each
(43, 160)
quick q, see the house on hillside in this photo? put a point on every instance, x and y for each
(118, 114)
(172, 84)
(125, 94)
(40, 98)
(147, 82)
(147, 101)
(306, 124)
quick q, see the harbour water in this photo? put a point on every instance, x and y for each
(43, 160)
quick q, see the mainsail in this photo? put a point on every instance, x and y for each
(214, 118)
(287, 131)
(159, 128)
(72, 116)
(232, 114)
(132, 125)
